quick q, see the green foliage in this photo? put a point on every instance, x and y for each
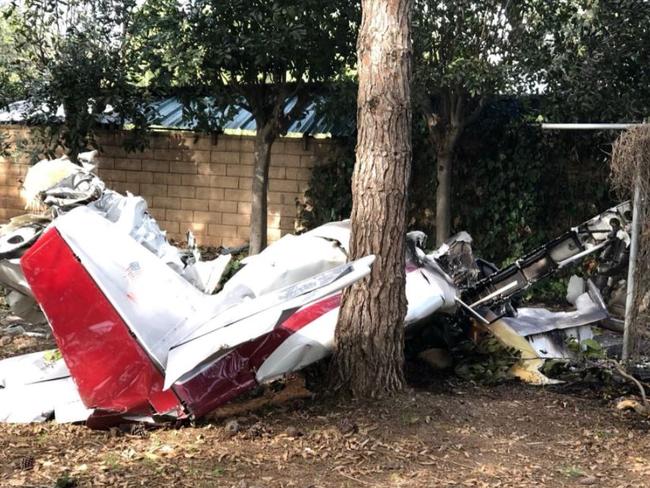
(233, 267)
(65, 481)
(11, 87)
(254, 54)
(588, 58)
(5, 145)
(42, 141)
(259, 41)
(487, 361)
(422, 195)
(464, 47)
(52, 356)
(251, 54)
(594, 59)
(588, 349)
(505, 183)
(329, 196)
(464, 56)
(586, 366)
(467, 51)
(548, 291)
(516, 187)
(74, 57)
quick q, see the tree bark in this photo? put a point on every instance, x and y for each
(443, 194)
(445, 125)
(369, 342)
(262, 159)
(271, 121)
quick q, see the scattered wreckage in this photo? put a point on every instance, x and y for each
(142, 334)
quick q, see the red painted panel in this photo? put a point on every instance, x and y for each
(110, 369)
(234, 373)
(310, 313)
(166, 402)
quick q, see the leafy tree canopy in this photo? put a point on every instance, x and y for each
(464, 54)
(75, 56)
(252, 53)
(11, 86)
(463, 45)
(594, 59)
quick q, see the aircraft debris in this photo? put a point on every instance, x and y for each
(142, 333)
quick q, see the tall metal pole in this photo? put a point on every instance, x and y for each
(595, 126)
(631, 271)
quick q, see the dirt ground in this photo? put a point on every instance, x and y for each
(448, 433)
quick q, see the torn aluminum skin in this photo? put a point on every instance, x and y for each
(548, 333)
(116, 309)
(539, 333)
(36, 387)
(296, 257)
(141, 334)
(590, 309)
(124, 321)
(569, 248)
(60, 185)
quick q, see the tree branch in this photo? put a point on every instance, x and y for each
(457, 119)
(301, 103)
(471, 118)
(629, 377)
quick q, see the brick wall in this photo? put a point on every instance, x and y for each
(192, 182)
(12, 172)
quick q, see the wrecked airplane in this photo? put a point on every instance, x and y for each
(141, 333)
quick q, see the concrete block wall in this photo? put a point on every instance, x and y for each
(195, 182)
(12, 173)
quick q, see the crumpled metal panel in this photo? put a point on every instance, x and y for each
(254, 318)
(234, 372)
(110, 369)
(155, 303)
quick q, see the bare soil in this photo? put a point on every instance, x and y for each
(442, 433)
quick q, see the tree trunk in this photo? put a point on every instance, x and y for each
(445, 158)
(445, 129)
(369, 344)
(262, 159)
(444, 135)
(72, 132)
